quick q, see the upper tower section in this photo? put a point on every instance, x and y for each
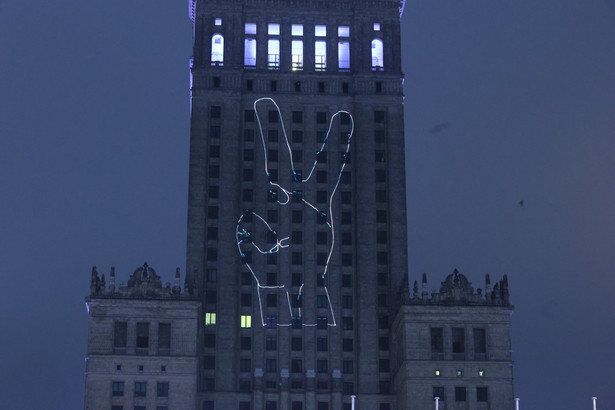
(354, 36)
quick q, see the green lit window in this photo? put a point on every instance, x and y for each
(246, 321)
(210, 318)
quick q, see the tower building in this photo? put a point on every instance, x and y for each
(296, 293)
(297, 133)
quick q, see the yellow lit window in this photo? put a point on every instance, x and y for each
(437, 372)
(210, 318)
(246, 321)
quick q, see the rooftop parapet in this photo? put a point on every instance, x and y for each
(144, 283)
(457, 290)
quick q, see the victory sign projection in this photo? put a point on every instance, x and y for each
(257, 238)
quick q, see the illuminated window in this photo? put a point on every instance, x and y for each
(218, 22)
(377, 55)
(343, 31)
(437, 373)
(320, 31)
(273, 29)
(217, 49)
(459, 373)
(481, 373)
(210, 318)
(320, 55)
(297, 55)
(246, 321)
(296, 29)
(343, 55)
(273, 54)
(250, 28)
(249, 53)
(376, 26)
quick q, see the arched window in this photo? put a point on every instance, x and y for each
(377, 55)
(249, 53)
(343, 55)
(217, 49)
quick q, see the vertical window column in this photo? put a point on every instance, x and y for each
(297, 47)
(249, 51)
(217, 50)
(273, 47)
(320, 48)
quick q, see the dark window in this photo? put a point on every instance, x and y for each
(321, 301)
(379, 117)
(245, 365)
(273, 116)
(117, 407)
(246, 299)
(247, 195)
(271, 405)
(214, 171)
(347, 301)
(212, 212)
(296, 405)
(320, 137)
(272, 135)
(297, 217)
(296, 344)
(383, 365)
(297, 117)
(482, 394)
(321, 197)
(211, 296)
(296, 258)
(214, 131)
(381, 195)
(164, 338)
(246, 278)
(246, 343)
(378, 86)
(271, 365)
(322, 344)
(321, 260)
(460, 394)
(321, 322)
(120, 330)
(209, 340)
(437, 343)
(346, 238)
(297, 86)
(383, 343)
(214, 151)
(459, 347)
(379, 136)
(212, 234)
(321, 117)
(209, 384)
(347, 388)
(250, 85)
(296, 366)
(383, 322)
(140, 389)
(297, 136)
(272, 300)
(347, 323)
(209, 362)
(248, 174)
(345, 88)
(296, 279)
(322, 366)
(382, 300)
(162, 389)
(272, 155)
(347, 367)
(212, 274)
(346, 259)
(273, 85)
(248, 115)
(384, 388)
(215, 111)
(382, 278)
(480, 344)
(271, 321)
(248, 135)
(212, 254)
(142, 335)
(345, 178)
(438, 391)
(323, 405)
(381, 175)
(271, 342)
(346, 281)
(347, 345)
(321, 86)
(117, 388)
(248, 154)
(244, 405)
(346, 218)
(381, 216)
(321, 177)
(379, 156)
(322, 385)
(382, 258)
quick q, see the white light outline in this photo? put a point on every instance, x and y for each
(243, 236)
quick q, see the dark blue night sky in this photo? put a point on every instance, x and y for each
(506, 101)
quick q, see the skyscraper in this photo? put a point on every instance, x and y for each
(296, 248)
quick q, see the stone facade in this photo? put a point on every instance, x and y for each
(454, 344)
(141, 344)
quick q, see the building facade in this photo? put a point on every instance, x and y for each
(296, 248)
(142, 339)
